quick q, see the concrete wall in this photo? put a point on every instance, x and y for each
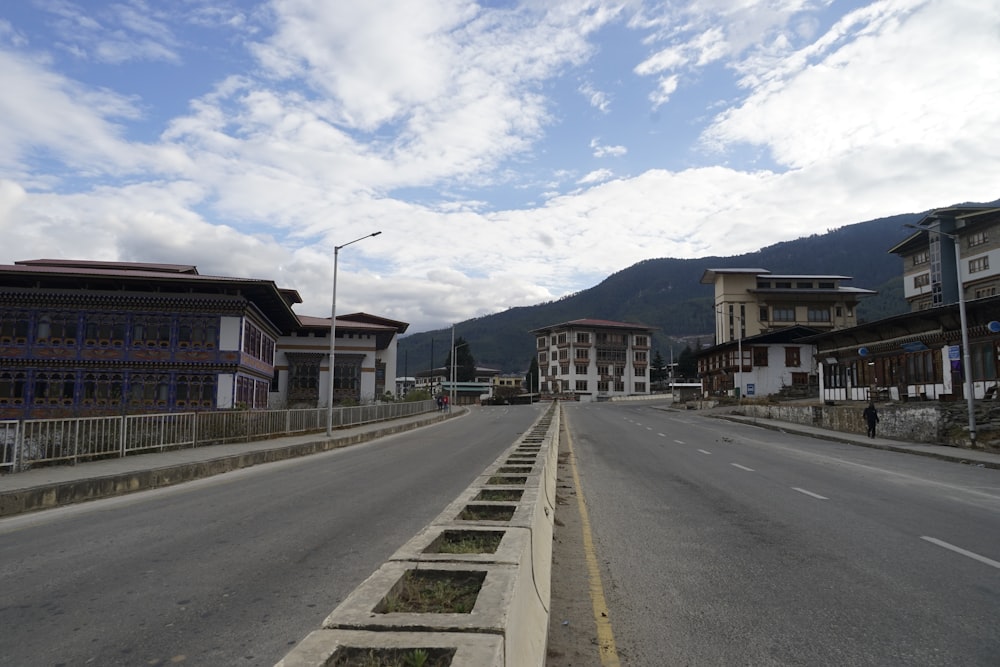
(933, 423)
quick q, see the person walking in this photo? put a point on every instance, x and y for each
(871, 416)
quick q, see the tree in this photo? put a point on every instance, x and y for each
(465, 363)
(533, 378)
(658, 371)
(687, 365)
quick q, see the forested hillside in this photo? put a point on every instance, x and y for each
(666, 293)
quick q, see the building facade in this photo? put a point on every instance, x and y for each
(592, 359)
(752, 301)
(931, 266)
(774, 362)
(80, 338)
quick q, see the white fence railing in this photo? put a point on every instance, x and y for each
(28, 442)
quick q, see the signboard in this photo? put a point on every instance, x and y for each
(750, 389)
(953, 353)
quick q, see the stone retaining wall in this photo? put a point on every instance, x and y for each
(931, 422)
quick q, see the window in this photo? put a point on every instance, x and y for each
(979, 238)
(56, 329)
(979, 264)
(582, 353)
(639, 371)
(800, 379)
(196, 391)
(602, 370)
(583, 338)
(818, 314)
(581, 385)
(760, 356)
(54, 388)
(619, 371)
(543, 358)
(641, 356)
(986, 291)
(148, 389)
(541, 342)
(102, 389)
(13, 326)
(198, 333)
(763, 313)
(783, 285)
(105, 330)
(641, 341)
(803, 285)
(640, 387)
(12, 387)
(620, 387)
(784, 314)
(922, 280)
(602, 386)
(792, 357)
(581, 370)
(564, 370)
(921, 257)
(562, 339)
(257, 344)
(151, 331)
(839, 311)
(763, 284)
(563, 355)
(823, 285)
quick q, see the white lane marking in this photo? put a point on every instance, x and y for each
(662, 435)
(810, 493)
(959, 550)
(680, 442)
(649, 428)
(704, 452)
(737, 465)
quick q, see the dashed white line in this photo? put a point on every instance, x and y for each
(704, 452)
(959, 550)
(680, 442)
(737, 465)
(810, 493)
(662, 435)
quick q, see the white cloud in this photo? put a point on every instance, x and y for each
(600, 150)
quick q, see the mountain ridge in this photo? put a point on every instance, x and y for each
(666, 293)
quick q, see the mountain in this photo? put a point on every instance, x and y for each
(666, 293)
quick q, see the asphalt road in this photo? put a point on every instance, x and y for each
(727, 544)
(235, 569)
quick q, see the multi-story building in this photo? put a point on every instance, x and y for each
(754, 301)
(759, 316)
(931, 266)
(594, 359)
(81, 338)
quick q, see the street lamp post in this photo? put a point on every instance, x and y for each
(970, 399)
(333, 332)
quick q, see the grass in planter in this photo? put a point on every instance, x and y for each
(500, 495)
(392, 657)
(486, 513)
(433, 592)
(466, 542)
(515, 469)
(500, 480)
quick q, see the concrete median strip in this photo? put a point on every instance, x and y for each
(511, 508)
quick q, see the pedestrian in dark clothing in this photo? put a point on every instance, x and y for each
(871, 416)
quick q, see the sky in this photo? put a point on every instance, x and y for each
(510, 153)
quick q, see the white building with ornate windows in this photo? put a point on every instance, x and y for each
(594, 360)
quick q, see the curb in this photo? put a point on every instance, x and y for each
(48, 496)
(507, 625)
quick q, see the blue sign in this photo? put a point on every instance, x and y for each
(953, 354)
(863, 351)
(993, 326)
(915, 346)
(750, 389)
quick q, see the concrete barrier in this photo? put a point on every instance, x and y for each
(508, 624)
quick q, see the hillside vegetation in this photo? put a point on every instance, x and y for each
(666, 293)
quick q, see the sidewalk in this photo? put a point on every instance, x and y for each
(943, 452)
(54, 486)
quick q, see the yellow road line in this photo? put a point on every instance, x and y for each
(605, 637)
